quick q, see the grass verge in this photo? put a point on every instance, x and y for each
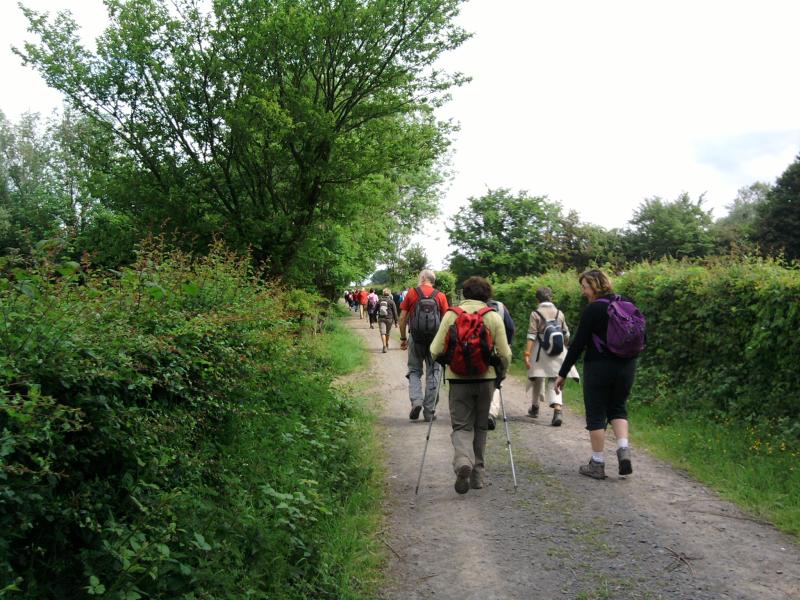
(352, 538)
(741, 462)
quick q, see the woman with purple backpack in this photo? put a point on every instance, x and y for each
(611, 331)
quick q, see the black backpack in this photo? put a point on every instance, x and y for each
(426, 317)
(551, 339)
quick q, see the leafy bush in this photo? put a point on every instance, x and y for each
(167, 431)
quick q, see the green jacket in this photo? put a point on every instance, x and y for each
(493, 322)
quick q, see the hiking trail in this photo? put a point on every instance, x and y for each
(657, 534)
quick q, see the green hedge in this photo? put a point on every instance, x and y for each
(167, 431)
(721, 336)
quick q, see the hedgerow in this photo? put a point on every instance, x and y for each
(719, 335)
(167, 431)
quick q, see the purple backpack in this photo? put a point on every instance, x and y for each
(625, 336)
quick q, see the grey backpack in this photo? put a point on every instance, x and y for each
(426, 317)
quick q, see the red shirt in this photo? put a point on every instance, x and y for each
(362, 296)
(427, 289)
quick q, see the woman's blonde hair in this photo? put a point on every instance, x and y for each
(597, 280)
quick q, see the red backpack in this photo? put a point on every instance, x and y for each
(468, 344)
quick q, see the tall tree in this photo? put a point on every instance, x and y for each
(505, 234)
(777, 226)
(264, 119)
(736, 230)
(40, 193)
(680, 228)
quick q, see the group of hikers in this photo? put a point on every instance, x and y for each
(378, 309)
(469, 345)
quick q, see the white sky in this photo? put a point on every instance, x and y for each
(597, 105)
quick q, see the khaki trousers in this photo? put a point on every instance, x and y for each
(469, 413)
(544, 390)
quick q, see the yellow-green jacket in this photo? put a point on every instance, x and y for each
(492, 321)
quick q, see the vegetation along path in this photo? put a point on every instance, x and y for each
(656, 534)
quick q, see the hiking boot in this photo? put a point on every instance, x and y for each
(476, 480)
(414, 414)
(594, 469)
(533, 411)
(624, 458)
(384, 350)
(492, 423)
(428, 416)
(463, 479)
(556, 422)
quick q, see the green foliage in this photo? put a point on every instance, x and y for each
(446, 283)
(778, 223)
(506, 235)
(304, 130)
(735, 232)
(170, 431)
(676, 229)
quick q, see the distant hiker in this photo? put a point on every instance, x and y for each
(398, 298)
(511, 328)
(471, 391)
(362, 303)
(387, 314)
(372, 308)
(607, 376)
(548, 338)
(422, 311)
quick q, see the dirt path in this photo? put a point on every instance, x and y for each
(656, 534)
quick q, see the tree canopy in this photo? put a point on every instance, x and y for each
(680, 228)
(777, 227)
(284, 124)
(505, 234)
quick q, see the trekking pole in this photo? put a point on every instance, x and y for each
(430, 426)
(508, 437)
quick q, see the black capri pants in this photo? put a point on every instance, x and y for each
(606, 387)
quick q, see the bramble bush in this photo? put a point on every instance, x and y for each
(719, 335)
(168, 430)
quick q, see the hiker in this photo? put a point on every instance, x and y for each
(362, 302)
(471, 394)
(398, 298)
(387, 314)
(511, 329)
(607, 377)
(372, 308)
(548, 338)
(422, 311)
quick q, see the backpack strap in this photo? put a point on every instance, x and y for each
(456, 309)
(598, 342)
(484, 310)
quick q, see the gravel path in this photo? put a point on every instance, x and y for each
(655, 534)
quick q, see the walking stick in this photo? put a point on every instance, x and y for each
(508, 437)
(430, 426)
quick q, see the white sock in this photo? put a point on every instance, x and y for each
(598, 457)
(622, 442)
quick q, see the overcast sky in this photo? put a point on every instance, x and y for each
(597, 105)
